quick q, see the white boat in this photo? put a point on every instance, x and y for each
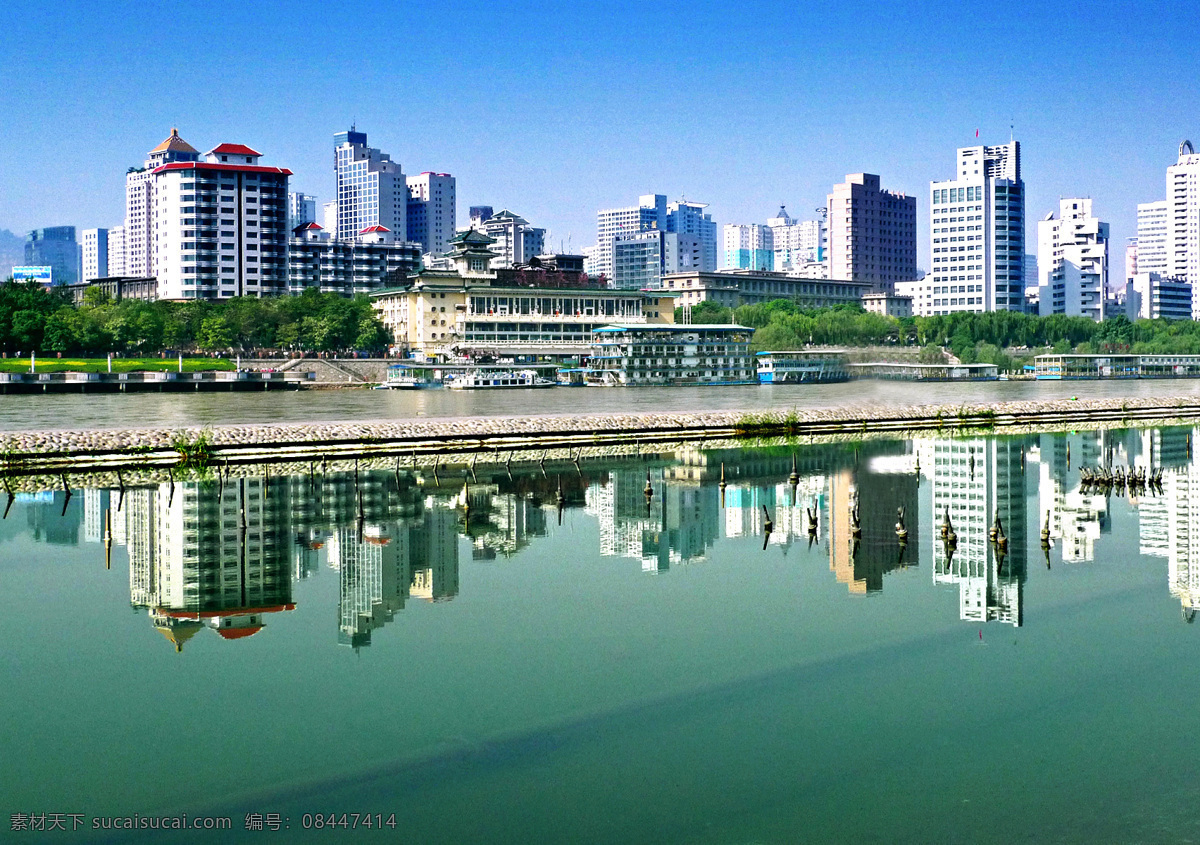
(498, 379)
(403, 377)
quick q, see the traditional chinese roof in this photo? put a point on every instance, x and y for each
(221, 166)
(471, 238)
(174, 144)
(233, 149)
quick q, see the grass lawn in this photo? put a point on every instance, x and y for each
(119, 365)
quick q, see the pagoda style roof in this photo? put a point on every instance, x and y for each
(505, 214)
(174, 144)
(471, 238)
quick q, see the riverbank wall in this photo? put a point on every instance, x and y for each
(498, 438)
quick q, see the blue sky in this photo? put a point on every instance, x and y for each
(557, 109)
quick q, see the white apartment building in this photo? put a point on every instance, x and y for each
(206, 228)
(116, 252)
(302, 209)
(329, 216)
(652, 212)
(799, 245)
(1183, 204)
(431, 211)
(748, 246)
(1152, 237)
(93, 246)
(872, 233)
(1072, 261)
(978, 266)
(220, 226)
(371, 188)
(516, 240)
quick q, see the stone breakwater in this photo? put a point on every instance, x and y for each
(34, 452)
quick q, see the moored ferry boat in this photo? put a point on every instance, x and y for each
(404, 377)
(498, 379)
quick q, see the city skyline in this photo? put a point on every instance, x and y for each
(475, 124)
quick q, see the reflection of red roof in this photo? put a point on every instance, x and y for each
(238, 633)
(316, 545)
(234, 149)
(209, 165)
(375, 229)
(209, 614)
(378, 541)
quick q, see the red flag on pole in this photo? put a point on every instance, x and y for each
(976, 133)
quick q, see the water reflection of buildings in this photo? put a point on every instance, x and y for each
(1076, 519)
(972, 480)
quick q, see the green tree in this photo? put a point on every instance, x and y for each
(215, 334)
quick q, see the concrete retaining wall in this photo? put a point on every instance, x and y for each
(54, 451)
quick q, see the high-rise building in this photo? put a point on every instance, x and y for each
(1131, 258)
(978, 266)
(1072, 261)
(1183, 233)
(1152, 296)
(371, 188)
(688, 218)
(431, 211)
(641, 259)
(652, 212)
(1152, 237)
(800, 245)
(140, 241)
(748, 246)
(220, 226)
(54, 247)
(302, 208)
(516, 241)
(872, 233)
(116, 252)
(479, 213)
(93, 248)
(329, 217)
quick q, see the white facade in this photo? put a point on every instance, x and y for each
(371, 188)
(116, 252)
(748, 246)
(1183, 233)
(1152, 237)
(329, 216)
(798, 244)
(302, 209)
(979, 266)
(431, 210)
(652, 212)
(1072, 261)
(516, 241)
(220, 226)
(93, 254)
(688, 218)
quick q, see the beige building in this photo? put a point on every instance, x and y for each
(889, 305)
(732, 288)
(872, 233)
(530, 312)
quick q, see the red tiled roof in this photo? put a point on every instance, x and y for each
(238, 633)
(207, 165)
(375, 229)
(233, 611)
(307, 226)
(234, 149)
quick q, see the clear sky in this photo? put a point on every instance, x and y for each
(558, 109)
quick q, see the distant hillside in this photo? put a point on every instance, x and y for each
(12, 252)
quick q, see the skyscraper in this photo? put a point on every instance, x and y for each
(302, 208)
(800, 245)
(688, 218)
(872, 233)
(54, 247)
(1152, 237)
(1072, 261)
(371, 188)
(431, 210)
(652, 212)
(978, 266)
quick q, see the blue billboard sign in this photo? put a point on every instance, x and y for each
(42, 275)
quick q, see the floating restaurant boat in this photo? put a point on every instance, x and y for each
(489, 379)
(572, 377)
(404, 377)
(809, 366)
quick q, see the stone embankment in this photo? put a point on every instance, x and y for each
(31, 452)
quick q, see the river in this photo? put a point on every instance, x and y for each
(186, 409)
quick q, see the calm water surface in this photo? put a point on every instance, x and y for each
(550, 657)
(181, 409)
